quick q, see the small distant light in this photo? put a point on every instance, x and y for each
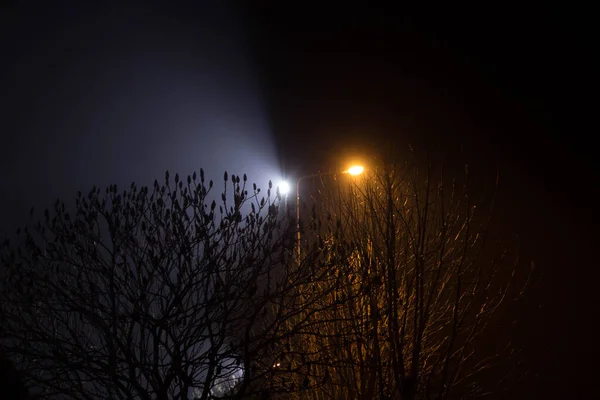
(276, 365)
(356, 170)
(284, 188)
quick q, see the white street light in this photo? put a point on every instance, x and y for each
(284, 187)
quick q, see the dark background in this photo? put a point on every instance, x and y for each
(97, 94)
(498, 88)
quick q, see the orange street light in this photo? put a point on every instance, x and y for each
(355, 170)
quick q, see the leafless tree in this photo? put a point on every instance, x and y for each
(164, 294)
(414, 288)
(153, 293)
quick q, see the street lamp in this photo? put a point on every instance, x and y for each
(354, 170)
(284, 188)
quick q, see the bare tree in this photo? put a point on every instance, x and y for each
(152, 293)
(415, 288)
(161, 293)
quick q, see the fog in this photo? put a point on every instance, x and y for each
(94, 97)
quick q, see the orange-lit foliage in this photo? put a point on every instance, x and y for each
(406, 288)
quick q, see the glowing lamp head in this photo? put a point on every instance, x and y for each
(356, 170)
(284, 187)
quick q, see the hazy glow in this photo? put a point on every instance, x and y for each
(166, 99)
(356, 170)
(284, 187)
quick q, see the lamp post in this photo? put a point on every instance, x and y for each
(353, 170)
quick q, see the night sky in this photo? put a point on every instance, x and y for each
(120, 93)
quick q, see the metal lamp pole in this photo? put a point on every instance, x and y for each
(354, 171)
(299, 244)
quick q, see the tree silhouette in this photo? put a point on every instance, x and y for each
(151, 293)
(413, 288)
(167, 293)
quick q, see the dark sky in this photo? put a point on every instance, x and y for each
(122, 92)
